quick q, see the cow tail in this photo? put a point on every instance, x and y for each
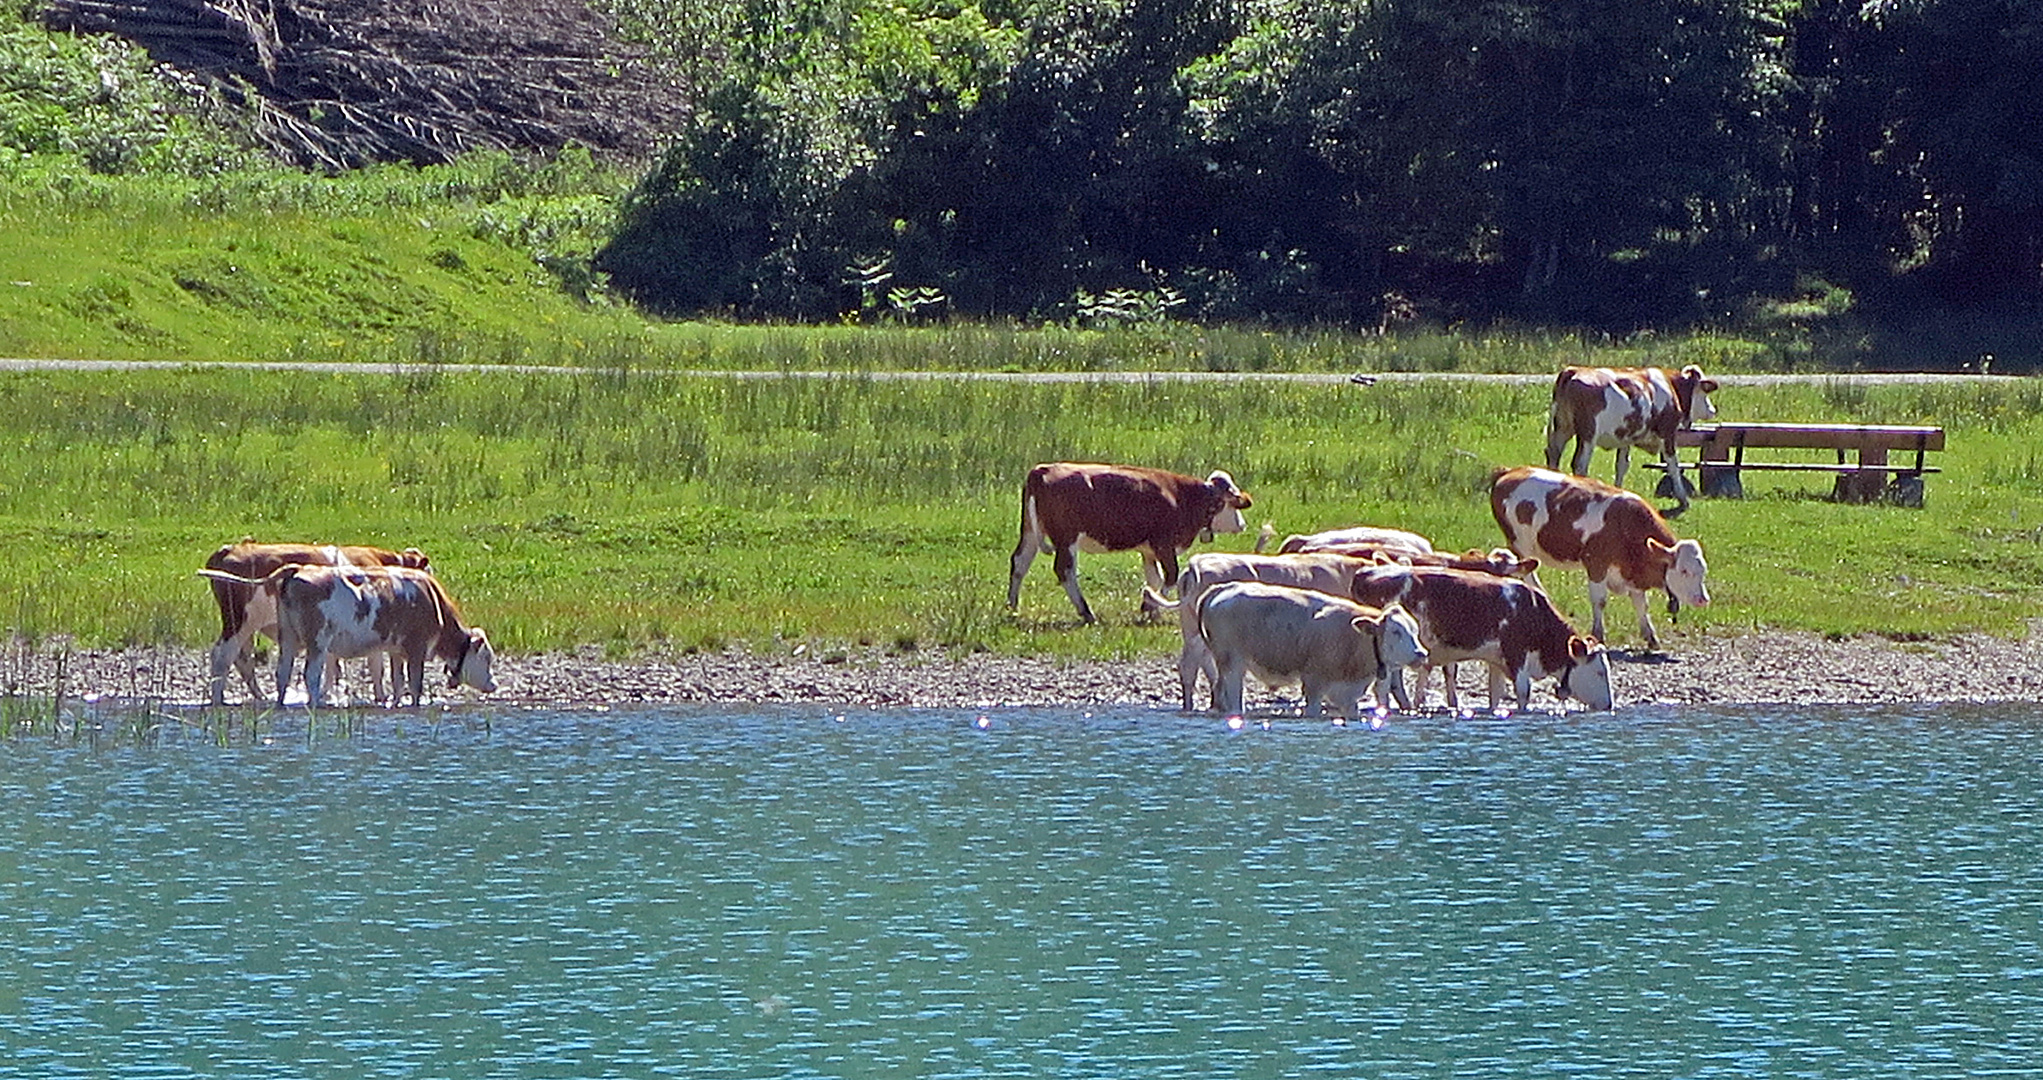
(274, 583)
(1031, 519)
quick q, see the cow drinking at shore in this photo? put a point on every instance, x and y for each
(1507, 624)
(357, 611)
(1339, 651)
(1068, 507)
(247, 610)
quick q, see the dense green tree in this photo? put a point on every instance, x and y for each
(1617, 163)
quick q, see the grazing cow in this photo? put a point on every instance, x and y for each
(354, 611)
(1335, 539)
(1615, 536)
(1337, 649)
(1619, 408)
(1069, 507)
(1509, 625)
(246, 610)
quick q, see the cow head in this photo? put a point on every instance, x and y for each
(1693, 388)
(1232, 501)
(1685, 571)
(1397, 637)
(413, 558)
(473, 669)
(1587, 677)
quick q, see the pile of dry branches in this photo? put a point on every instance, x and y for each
(340, 83)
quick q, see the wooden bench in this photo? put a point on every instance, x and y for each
(1868, 477)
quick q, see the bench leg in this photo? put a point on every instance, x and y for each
(1722, 482)
(1907, 490)
(1869, 484)
(1720, 479)
(1665, 488)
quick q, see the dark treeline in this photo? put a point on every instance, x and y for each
(1608, 163)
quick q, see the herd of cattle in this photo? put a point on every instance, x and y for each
(1341, 614)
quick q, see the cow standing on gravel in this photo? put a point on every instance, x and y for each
(356, 611)
(1614, 535)
(247, 610)
(1069, 507)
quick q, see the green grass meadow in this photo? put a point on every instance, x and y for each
(641, 510)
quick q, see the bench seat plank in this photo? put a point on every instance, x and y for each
(1815, 436)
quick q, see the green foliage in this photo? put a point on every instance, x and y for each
(100, 104)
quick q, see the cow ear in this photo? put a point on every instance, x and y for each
(1709, 386)
(1578, 648)
(1369, 624)
(1654, 546)
(1527, 566)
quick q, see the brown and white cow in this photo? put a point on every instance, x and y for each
(1353, 535)
(1615, 536)
(1339, 651)
(1619, 408)
(1500, 561)
(1068, 507)
(246, 610)
(356, 611)
(1327, 572)
(1508, 624)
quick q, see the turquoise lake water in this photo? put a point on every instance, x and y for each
(803, 893)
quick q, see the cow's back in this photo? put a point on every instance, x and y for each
(1281, 632)
(1572, 520)
(1456, 609)
(1117, 507)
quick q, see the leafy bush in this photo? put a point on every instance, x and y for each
(100, 103)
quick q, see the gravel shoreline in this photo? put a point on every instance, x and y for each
(1760, 668)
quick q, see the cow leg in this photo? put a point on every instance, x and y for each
(1556, 442)
(1314, 693)
(1024, 552)
(1583, 448)
(1646, 631)
(1521, 686)
(1017, 568)
(244, 662)
(1499, 681)
(1449, 673)
(333, 679)
(1228, 690)
(226, 653)
(287, 655)
(1673, 462)
(416, 661)
(1624, 464)
(1599, 593)
(317, 663)
(1065, 562)
(1394, 680)
(1194, 658)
